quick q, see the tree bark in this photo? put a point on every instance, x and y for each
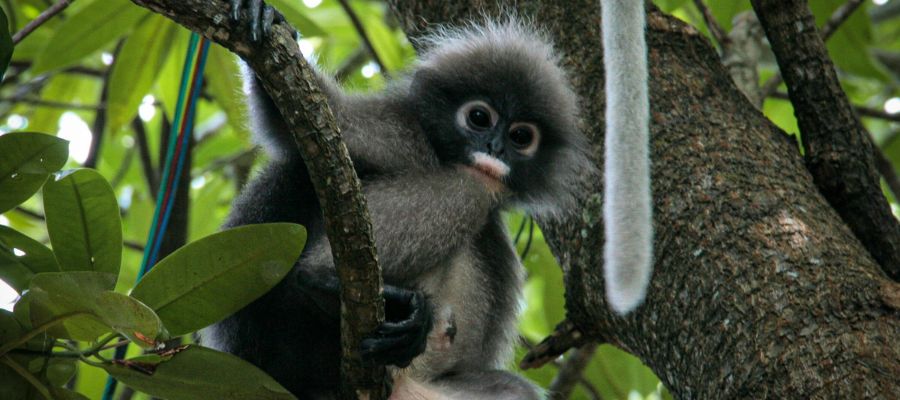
(759, 288)
(290, 82)
(839, 150)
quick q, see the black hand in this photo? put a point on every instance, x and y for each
(261, 14)
(403, 335)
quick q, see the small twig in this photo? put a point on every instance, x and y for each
(80, 70)
(40, 20)
(29, 213)
(37, 331)
(357, 23)
(831, 26)
(53, 104)
(98, 128)
(123, 168)
(352, 63)
(714, 28)
(571, 372)
(27, 376)
(564, 337)
(150, 174)
(863, 111)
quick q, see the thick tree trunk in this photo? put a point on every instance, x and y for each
(760, 290)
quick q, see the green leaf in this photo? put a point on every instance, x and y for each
(21, 257)
(136, 68)
(130, 317)
(83, 222)
(88, 30)
(195, 372)
(60, 293)
(10, 329)
(59, 371)
(383, 39)
(214, 277)
(849, 46)
(55, 294)
(66, 394)
(6, 44)
(26, 159)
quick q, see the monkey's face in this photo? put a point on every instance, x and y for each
(500, 122)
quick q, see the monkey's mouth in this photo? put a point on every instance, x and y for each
(490, 166)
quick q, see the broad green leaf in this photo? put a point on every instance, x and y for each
(6, 44)
(26, 159)
(83, 222)
(90, 29)
(850, 45)
(296, 14)
(66, 394)
(383, 39)
(212, 278)
(21, 257)
(135, 70)
(12, 385)
(83, 291)
(130, 317)
(195, 372)
(9, 328)
(169, 80)
(54, 294)
(59, 371)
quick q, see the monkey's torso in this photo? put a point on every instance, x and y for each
(289, 336)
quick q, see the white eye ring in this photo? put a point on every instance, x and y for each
(532, 147)
(463, 118)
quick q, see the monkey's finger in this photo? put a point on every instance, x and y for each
(256, 7)
(236, 9)
(268, 19)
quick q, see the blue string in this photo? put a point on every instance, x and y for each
(188, 131)
(154, 238)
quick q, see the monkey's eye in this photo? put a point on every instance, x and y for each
(476, 115)
(524, 137)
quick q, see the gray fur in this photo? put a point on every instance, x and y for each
(437, 228)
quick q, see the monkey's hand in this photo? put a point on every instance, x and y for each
(404, 333)
(262, 16)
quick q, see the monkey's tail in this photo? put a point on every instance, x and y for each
(627, 212)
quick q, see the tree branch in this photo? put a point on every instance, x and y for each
(838, 148)
(570, 373)
(361, 30)
(289, 80)
(40, 20)
(758, 286)
(714, 28)
(831, 26)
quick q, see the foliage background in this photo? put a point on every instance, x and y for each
(58, 74)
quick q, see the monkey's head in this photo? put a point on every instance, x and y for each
(493, 98)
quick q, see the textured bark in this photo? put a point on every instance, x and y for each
(759, 288)
(289, 81)
(838, 148)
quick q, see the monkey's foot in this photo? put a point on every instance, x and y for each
(262, 16)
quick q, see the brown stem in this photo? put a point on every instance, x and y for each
(838, 148)
(150, 174)
(714, 28)
(361, 30)
(831, 26)
(290, 82)
(40, 20)
(571, 371)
